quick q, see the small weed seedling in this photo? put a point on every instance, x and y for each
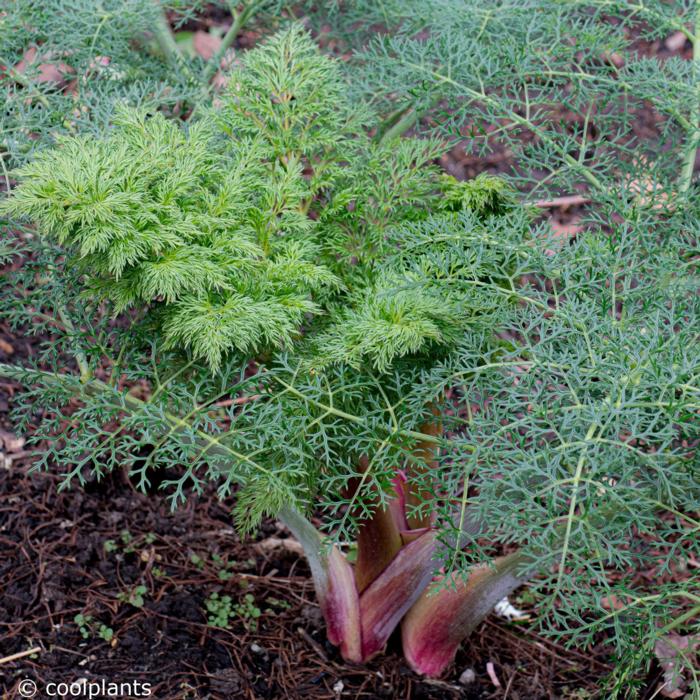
(90, 627)
(220, 609)
(134, 596)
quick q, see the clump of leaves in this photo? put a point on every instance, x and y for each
(233, 233)
(220, 610)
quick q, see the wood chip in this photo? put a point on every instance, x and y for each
(288, 544)
(205, 44)
(564, 202)
(492, 674)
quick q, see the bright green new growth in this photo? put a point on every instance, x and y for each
(237, 229)
(214, 231)
(157, 215)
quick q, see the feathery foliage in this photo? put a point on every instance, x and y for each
(591, 420)
(67, 65)
(343, 293)
(232, 232)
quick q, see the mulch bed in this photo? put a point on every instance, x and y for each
(86, 552)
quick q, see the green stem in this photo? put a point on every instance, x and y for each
(400, 121)
(688, 615)
(649, 14)
(396, 124)
(694, 135)
(210, 444)
(5, 173)
(167, 44)
(80, 357)
(572, 507)
(239, 20)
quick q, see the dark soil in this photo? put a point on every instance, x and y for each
(86, 552)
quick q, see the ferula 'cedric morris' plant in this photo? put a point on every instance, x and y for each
(276, 224)
(468, 401)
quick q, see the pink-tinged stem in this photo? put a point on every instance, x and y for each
(397, 505)
(447, 613)
(341, 608)
(394, 591)
(334, 582)
(361, 625)
(378, 541)
(424, 456)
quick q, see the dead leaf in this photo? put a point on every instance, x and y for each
(52, 72)
(47, 72)
(206, 44)
(616, 59)
(289, 544)
(11, 442)
(676, 41)
(674, 653)
(567, 230)
(97, 65)
(71, 88)
(648, 192)
(6, 347)
(611, 603)
(563, 232)
(27, 59)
